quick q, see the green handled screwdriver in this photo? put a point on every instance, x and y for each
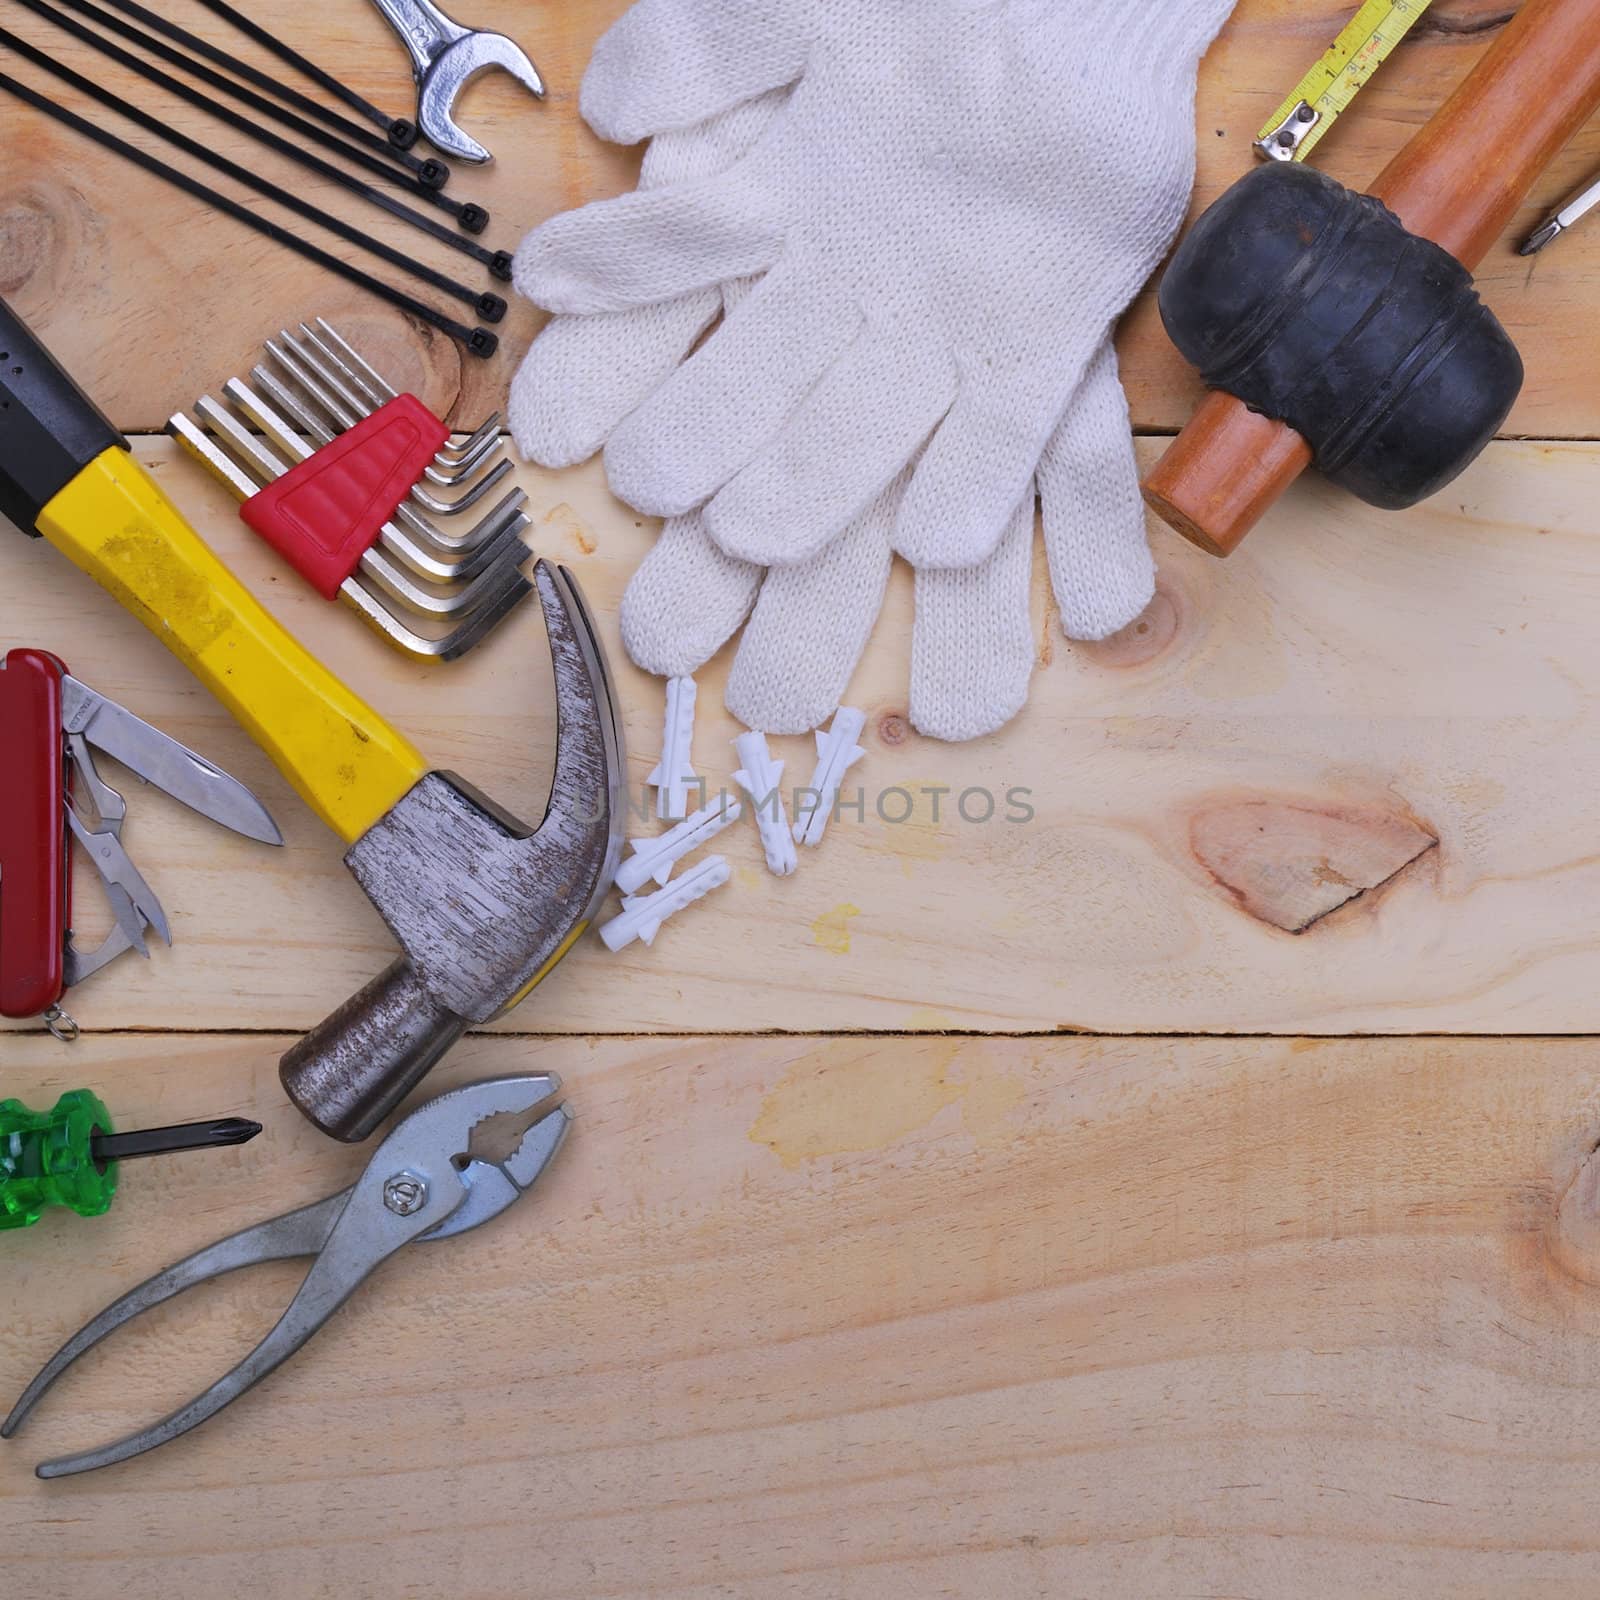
(68, 1156)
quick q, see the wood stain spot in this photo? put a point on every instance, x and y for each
(831, 931)
(851, 1099)
(563, 521)
(1047, 639)
(1291, 865)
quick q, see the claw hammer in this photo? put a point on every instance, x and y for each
(482, 905)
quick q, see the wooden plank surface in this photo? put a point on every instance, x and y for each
(894, 1305)
(151, 298)
(1285, 731)
(841, 1318)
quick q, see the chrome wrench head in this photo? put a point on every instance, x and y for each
(445, 57)
(441, 83)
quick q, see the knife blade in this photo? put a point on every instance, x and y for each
(172, 767)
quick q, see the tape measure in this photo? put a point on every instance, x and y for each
(1292, 132)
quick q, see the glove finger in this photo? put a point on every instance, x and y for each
(854, 432)
(979, 465)
(1095, 532)
(972, 649)
(712, 415)
(648, 246)
(805, 637)
(682, 155)
(685, 602)
(671, 63)
(583, 375)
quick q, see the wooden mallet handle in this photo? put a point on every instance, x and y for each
(1459, 183)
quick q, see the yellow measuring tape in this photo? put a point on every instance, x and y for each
(1292, 132)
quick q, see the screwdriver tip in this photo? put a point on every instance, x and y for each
(167, 1141)
(1539, 240)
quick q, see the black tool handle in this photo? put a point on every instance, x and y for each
(50, 430)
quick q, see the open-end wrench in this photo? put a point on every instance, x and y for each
(445, 57)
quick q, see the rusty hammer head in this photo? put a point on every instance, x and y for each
(482, 905)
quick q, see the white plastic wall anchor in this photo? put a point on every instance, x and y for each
(761, 778)
(642, 915)
(674, 775)
(655, 858)
(837, 752)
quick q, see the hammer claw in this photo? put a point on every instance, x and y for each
(588, 765)
(482, 905)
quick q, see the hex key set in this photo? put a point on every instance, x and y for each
(302, 441)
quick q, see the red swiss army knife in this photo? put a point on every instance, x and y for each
(48, 723)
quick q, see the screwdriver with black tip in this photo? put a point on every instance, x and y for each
(68, 1156)
(1571, 213)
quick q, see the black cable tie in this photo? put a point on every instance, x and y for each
(411, 183)
(401, 132)
(488, 306)
(432, 172)
(473, 218)
(479, 341)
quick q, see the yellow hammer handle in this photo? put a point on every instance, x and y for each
(347, 763)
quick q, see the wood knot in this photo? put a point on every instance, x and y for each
(1149, 635)
(1575, 1238)
(1290, 864)
(52, 240)
(893, 728)
(29, 241)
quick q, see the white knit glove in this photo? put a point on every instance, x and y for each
(973, 649)
(973, 644)
(947, 215)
